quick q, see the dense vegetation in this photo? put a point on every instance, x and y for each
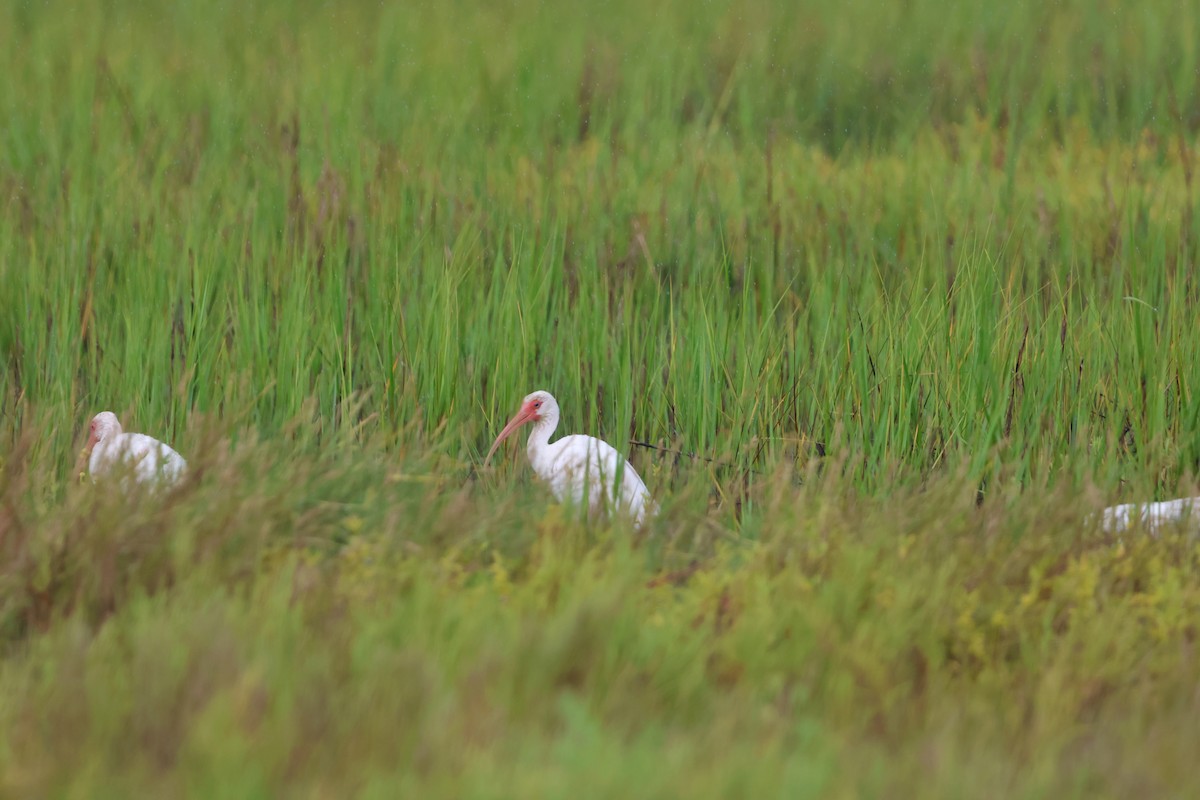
(893, 296)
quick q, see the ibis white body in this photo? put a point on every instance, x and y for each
(1152, 515)
(147, 460)
(580, 470)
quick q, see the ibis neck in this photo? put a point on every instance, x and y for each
(539, 436)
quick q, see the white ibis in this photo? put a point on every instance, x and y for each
(148, 459)
(1152, 515)
(578, 468)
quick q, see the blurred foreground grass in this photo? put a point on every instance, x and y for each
(329, 626)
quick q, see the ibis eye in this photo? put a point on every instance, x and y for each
(538, 404)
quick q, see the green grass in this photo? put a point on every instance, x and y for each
(914, 283)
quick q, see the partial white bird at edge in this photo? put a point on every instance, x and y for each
(148, 460)
(1152, 516)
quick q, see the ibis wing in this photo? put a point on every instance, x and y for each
(587, 469)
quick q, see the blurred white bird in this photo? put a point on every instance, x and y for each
(1152, 515)
(148, 460)
(578, 468)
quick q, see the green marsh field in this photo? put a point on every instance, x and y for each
(884, 301)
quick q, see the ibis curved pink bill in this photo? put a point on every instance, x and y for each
(578, 469)
(148, 460)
